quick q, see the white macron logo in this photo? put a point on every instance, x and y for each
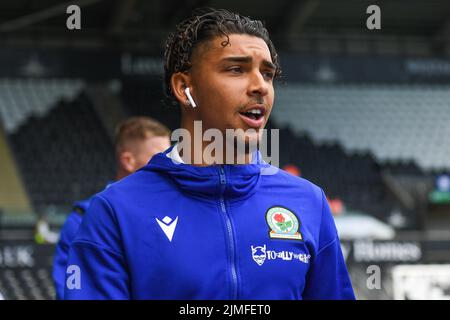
(168, 226)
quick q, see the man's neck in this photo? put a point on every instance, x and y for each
(196, 152)
(202, 157)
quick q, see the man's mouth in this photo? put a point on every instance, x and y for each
(253, 116)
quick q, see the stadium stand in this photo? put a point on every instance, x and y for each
(393, 122)
(64, 156)
(13, 196)
(21, 98)
(146, 98)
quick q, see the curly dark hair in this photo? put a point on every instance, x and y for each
(203, 25)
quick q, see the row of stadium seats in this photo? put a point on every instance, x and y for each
(21, 98)
(393, 122)
(26, 284)
(64, 156)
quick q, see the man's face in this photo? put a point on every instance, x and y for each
(144, 150)
(233, 83)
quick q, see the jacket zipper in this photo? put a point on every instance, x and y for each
(231, 246)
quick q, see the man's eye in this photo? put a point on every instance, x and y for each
(269, 75)
(235, 69)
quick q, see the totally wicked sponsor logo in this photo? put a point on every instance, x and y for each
(260, 255)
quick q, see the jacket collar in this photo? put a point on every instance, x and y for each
(241, 180)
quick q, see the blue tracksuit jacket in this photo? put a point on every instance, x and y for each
(67, 234)
(66, 237)
(176, 231)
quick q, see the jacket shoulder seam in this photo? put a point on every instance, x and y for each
(327, 245)
(96, 245)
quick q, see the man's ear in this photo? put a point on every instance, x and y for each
(127, 161)
(179, 82)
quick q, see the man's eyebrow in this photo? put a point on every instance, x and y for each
(248, 59)
(244, 59)
(269, 64)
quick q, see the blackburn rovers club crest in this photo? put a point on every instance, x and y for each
(283, 224)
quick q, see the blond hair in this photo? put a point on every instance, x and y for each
(137, 129)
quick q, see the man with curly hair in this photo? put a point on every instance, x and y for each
(213, 229)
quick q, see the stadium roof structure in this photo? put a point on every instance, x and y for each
(140, 24)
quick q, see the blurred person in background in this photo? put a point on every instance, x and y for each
(137, 140)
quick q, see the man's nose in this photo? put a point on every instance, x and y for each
(258, 85)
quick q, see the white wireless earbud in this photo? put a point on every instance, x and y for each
(188, 94)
